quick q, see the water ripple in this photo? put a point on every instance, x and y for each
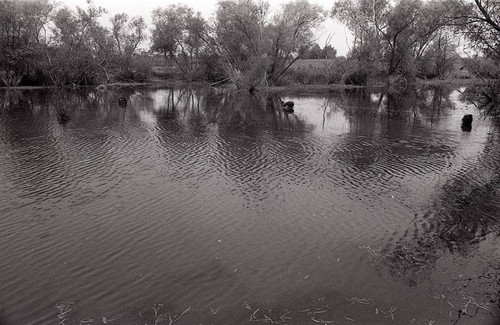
(210, 206)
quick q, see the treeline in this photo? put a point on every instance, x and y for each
(41, 44)
(405, 39)
(245, 44)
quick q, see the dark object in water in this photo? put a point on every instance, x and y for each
(122, 102)
(467, 123)
(63, 117)
(288, 107)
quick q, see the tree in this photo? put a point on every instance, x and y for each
(21, 35)
(439, 58)
(328, 52)
(292, 31)
(178, 34)
(80, 49)
(127, 35)
(316, 52)
(238, 36)
(393, 34)
(313, 52)
(363, 17)
(479, 21)
(256, 48)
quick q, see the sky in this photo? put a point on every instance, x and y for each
(338, 33)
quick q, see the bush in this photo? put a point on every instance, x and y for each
(141, 68)
(357, 78)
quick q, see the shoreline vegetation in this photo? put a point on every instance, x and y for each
(296, 88)
(247, 46)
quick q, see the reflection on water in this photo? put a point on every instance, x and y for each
(193, 206)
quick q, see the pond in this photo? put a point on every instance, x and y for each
(197, 206)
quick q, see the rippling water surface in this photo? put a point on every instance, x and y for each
(192, 207)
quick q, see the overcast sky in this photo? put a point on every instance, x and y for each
(339, 34)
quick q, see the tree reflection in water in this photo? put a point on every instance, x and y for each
(460, 218)
(463, 216)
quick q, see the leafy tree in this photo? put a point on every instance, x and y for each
(127, 35)
(238, 37)
(22, 26)
(80, 48)
(316, 52)
(328, 52)
(292, 30)
(256, 48)
(392, 34)
(439, 58)
(178, 34)
(363, 17)
(480, 22)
